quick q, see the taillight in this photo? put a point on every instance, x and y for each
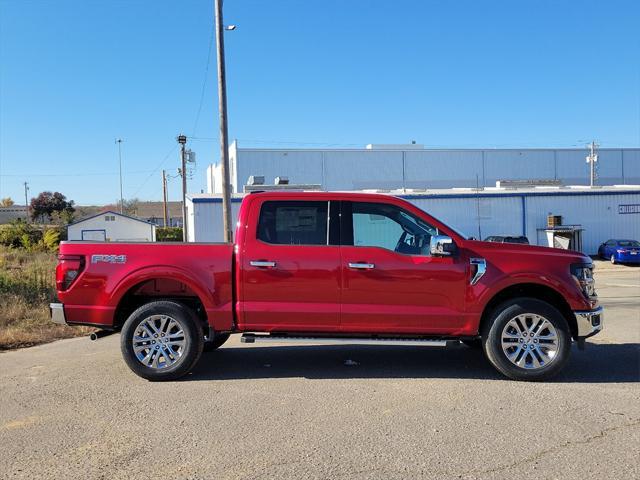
(68, 269)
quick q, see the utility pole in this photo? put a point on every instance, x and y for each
(592, 159)
(164, 198)
(222, 107)
(182, 140)
(26, 201)
(119, 142)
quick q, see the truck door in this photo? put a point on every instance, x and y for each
(290, 271)
(391, 283)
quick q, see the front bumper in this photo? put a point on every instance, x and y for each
(589, 322)
(57, 313)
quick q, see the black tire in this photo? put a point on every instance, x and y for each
(492, 333)
(218, 340)
(612, 259)
(190, 351)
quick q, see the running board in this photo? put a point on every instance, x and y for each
(252, 338)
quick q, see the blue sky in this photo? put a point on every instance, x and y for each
(76, 74)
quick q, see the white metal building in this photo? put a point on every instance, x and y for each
(414, 167)
(112, 227)
(14, 212)
(602, 212)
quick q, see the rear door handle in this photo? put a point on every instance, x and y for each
(361, 266)
(262, 263)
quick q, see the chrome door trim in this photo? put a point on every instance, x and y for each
(361, 266)
(262, 263)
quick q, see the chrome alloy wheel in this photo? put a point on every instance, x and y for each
(158, 341)
(530, 341)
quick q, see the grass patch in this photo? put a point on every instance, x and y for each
(27, 286)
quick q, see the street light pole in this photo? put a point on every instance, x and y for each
(182, 140)
(119, 142)
(222, 106)
(26, 200)
(164, 199)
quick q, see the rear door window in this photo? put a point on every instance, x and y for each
(293, 223)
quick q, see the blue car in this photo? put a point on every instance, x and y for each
(620, 251)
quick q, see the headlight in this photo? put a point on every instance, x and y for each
(583, 275)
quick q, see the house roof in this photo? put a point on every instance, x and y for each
(110, 212)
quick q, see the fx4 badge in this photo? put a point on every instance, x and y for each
(108, 259)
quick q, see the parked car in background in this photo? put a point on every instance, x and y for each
(620, 251)
(507, 239)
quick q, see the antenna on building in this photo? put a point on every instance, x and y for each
(592, 160)
(478, 206)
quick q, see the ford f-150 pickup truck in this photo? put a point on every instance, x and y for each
(323, 266)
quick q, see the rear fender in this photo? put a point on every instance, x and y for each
(206, 293)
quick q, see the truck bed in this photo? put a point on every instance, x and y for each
(111, 271)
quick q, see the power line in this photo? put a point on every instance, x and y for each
(204, 82)
(95, 174)
(153, 172)
(281, 142)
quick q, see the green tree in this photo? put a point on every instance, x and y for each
(46, 203)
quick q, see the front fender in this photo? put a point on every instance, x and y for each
(484, 291)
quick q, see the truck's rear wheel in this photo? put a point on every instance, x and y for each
(161, 340)
(218, 340)
(527, 339)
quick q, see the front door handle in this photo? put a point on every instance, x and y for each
(361, 266)
(262, 263)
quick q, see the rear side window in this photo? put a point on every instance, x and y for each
(293, 223)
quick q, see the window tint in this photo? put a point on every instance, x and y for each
(629, 243)
(611, 243)
(293, 223)
(390, 227)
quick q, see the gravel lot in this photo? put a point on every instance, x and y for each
(71, 409)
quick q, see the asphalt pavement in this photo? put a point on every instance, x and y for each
(72, 409)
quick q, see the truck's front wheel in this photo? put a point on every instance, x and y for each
(527, 339)
(161, 340)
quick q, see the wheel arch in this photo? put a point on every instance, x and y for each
(151, 286)
(531, 290)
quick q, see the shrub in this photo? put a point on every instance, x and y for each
(169, 234)
(51, 240)
(19, 234)
(25, 236)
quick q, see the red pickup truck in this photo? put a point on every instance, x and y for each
(321, 266)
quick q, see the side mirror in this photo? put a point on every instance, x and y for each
(442, 246)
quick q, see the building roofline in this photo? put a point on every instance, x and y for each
(427, 149)
(453, 195)
(110, 212)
